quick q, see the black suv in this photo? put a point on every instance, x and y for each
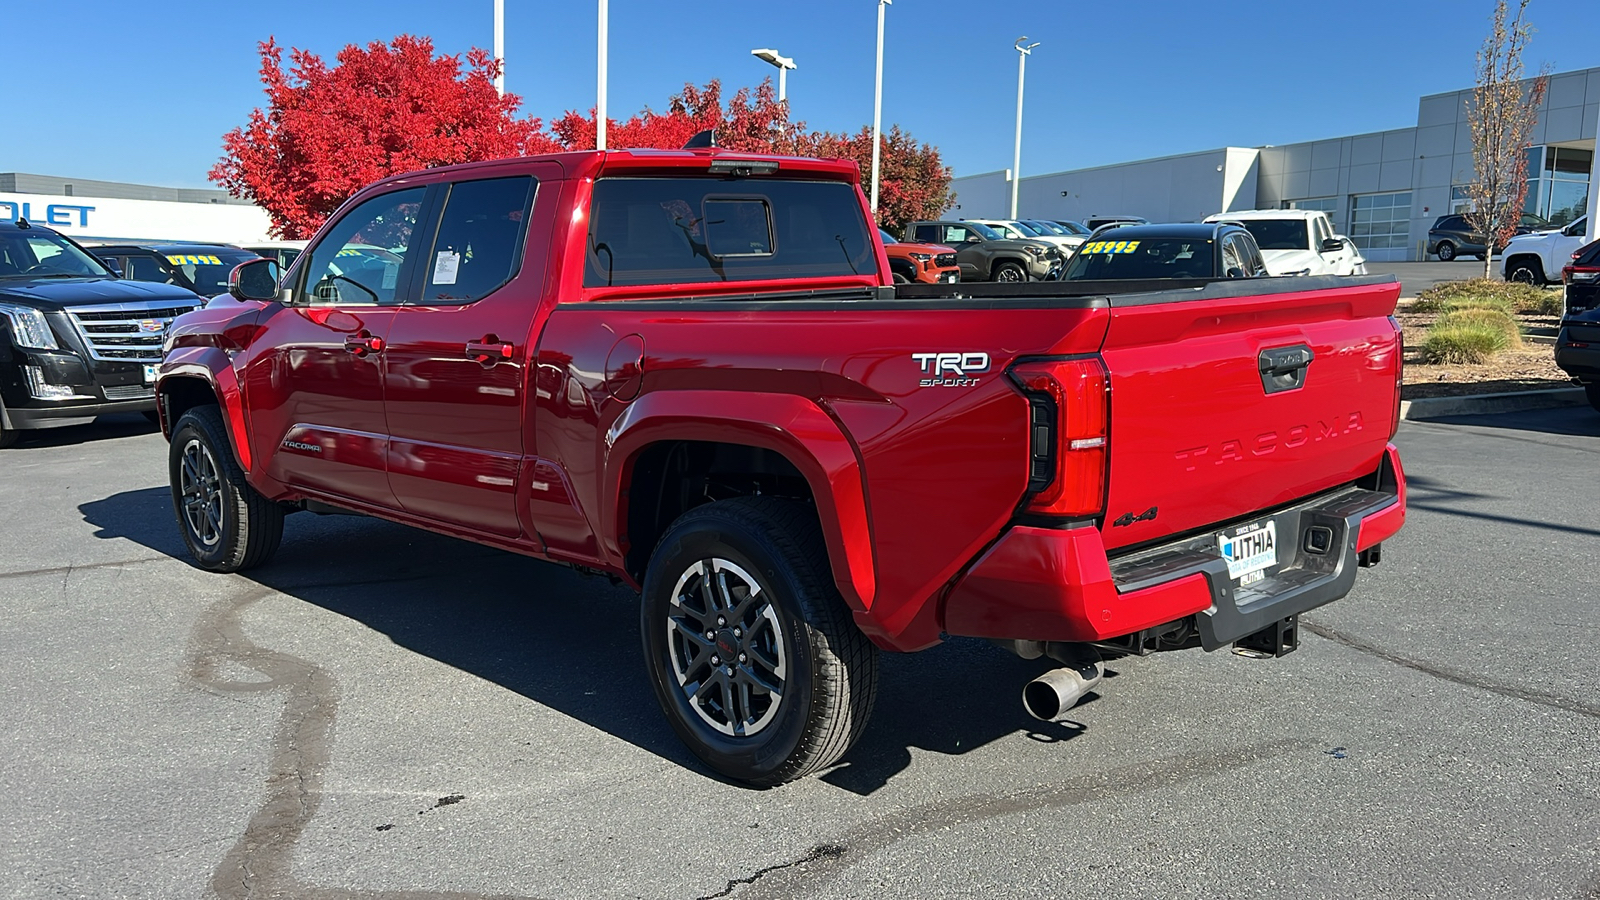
(1451, 236)
(76, 341)
(1210, 250)
(1582, 279)
(202, 268)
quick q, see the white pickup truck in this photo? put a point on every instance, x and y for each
(1537, 258)
(1298, 241)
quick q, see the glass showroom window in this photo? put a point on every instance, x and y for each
(1564, 184)
(1381, 222)
(1329, 205)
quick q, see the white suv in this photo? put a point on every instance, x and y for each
(1298, 241)
(1537, 258)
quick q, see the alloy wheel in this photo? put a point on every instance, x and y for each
(201, 488)
(726, 643)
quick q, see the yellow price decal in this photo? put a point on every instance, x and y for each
(191, 259)
(1110, 247)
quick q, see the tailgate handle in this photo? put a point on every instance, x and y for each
(1284, 368)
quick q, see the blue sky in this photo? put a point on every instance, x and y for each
(143, 93)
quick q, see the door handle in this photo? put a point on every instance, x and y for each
(488, 351)
(363, 343)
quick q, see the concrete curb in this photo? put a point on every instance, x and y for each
(1483, 404)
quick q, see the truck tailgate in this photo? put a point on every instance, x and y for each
(1213, 417)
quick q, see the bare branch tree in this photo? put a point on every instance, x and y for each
(1502, 114)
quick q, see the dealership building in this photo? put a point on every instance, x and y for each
(112, 210)
(1384, 189)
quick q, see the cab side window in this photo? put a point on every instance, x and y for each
(479, 246)
(358, 261)
(1233, 266)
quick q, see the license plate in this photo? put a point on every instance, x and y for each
(1250, 550)
(150, 374)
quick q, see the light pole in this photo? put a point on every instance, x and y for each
(500, 45)
(1023, 51)
(877, 108)
(783, 63)
(600, 102)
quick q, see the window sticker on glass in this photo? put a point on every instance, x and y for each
(193, 260)
(445, 266)
(391, 274)
(1111, 247)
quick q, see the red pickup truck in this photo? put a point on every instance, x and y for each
(691, 371)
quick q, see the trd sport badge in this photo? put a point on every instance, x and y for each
(951, 369)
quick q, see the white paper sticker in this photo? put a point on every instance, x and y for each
(391, 274)
(445, 266)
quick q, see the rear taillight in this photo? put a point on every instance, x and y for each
(1070, 402)
(1399, 374)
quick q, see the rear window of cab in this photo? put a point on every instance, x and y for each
(652, 231)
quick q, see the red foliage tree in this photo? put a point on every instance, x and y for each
(383, 109)
(757, 123)
(912, 181)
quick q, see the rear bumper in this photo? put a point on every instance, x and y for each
(1057, 584)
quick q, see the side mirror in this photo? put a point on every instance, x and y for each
(1576, 229)
(254, 280)
(1332, 245)
(973, 239)
(1235, 272)
(112, 265)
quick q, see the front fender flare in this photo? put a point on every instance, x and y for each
(212, 366)
(787, 424)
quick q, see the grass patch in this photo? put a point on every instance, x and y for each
(1506, 297)
(1469, 336)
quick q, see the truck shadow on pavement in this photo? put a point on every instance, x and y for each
(571, 642)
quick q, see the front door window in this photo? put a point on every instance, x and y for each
(358, 262)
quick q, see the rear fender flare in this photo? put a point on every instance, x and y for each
(789, 425)
(211, 366)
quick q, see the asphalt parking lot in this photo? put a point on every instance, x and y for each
(385, 713)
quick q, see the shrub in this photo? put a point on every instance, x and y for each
(1479, 294)
(1484, 317)
(1550, 302)
(1466, 342)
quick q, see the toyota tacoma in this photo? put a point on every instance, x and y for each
(692, 371)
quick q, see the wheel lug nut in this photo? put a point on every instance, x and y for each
(743, 658)
(716, 660)
(728, 671)
(711, 635)
(738, 632)
(721, 621)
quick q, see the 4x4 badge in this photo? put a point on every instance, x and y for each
(1127, 519)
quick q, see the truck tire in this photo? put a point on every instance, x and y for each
(1526, 270)
(226, 524)
(1446, 251)
(753, 655)
(1009, 272)
(8, 436)
(1592, 391)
